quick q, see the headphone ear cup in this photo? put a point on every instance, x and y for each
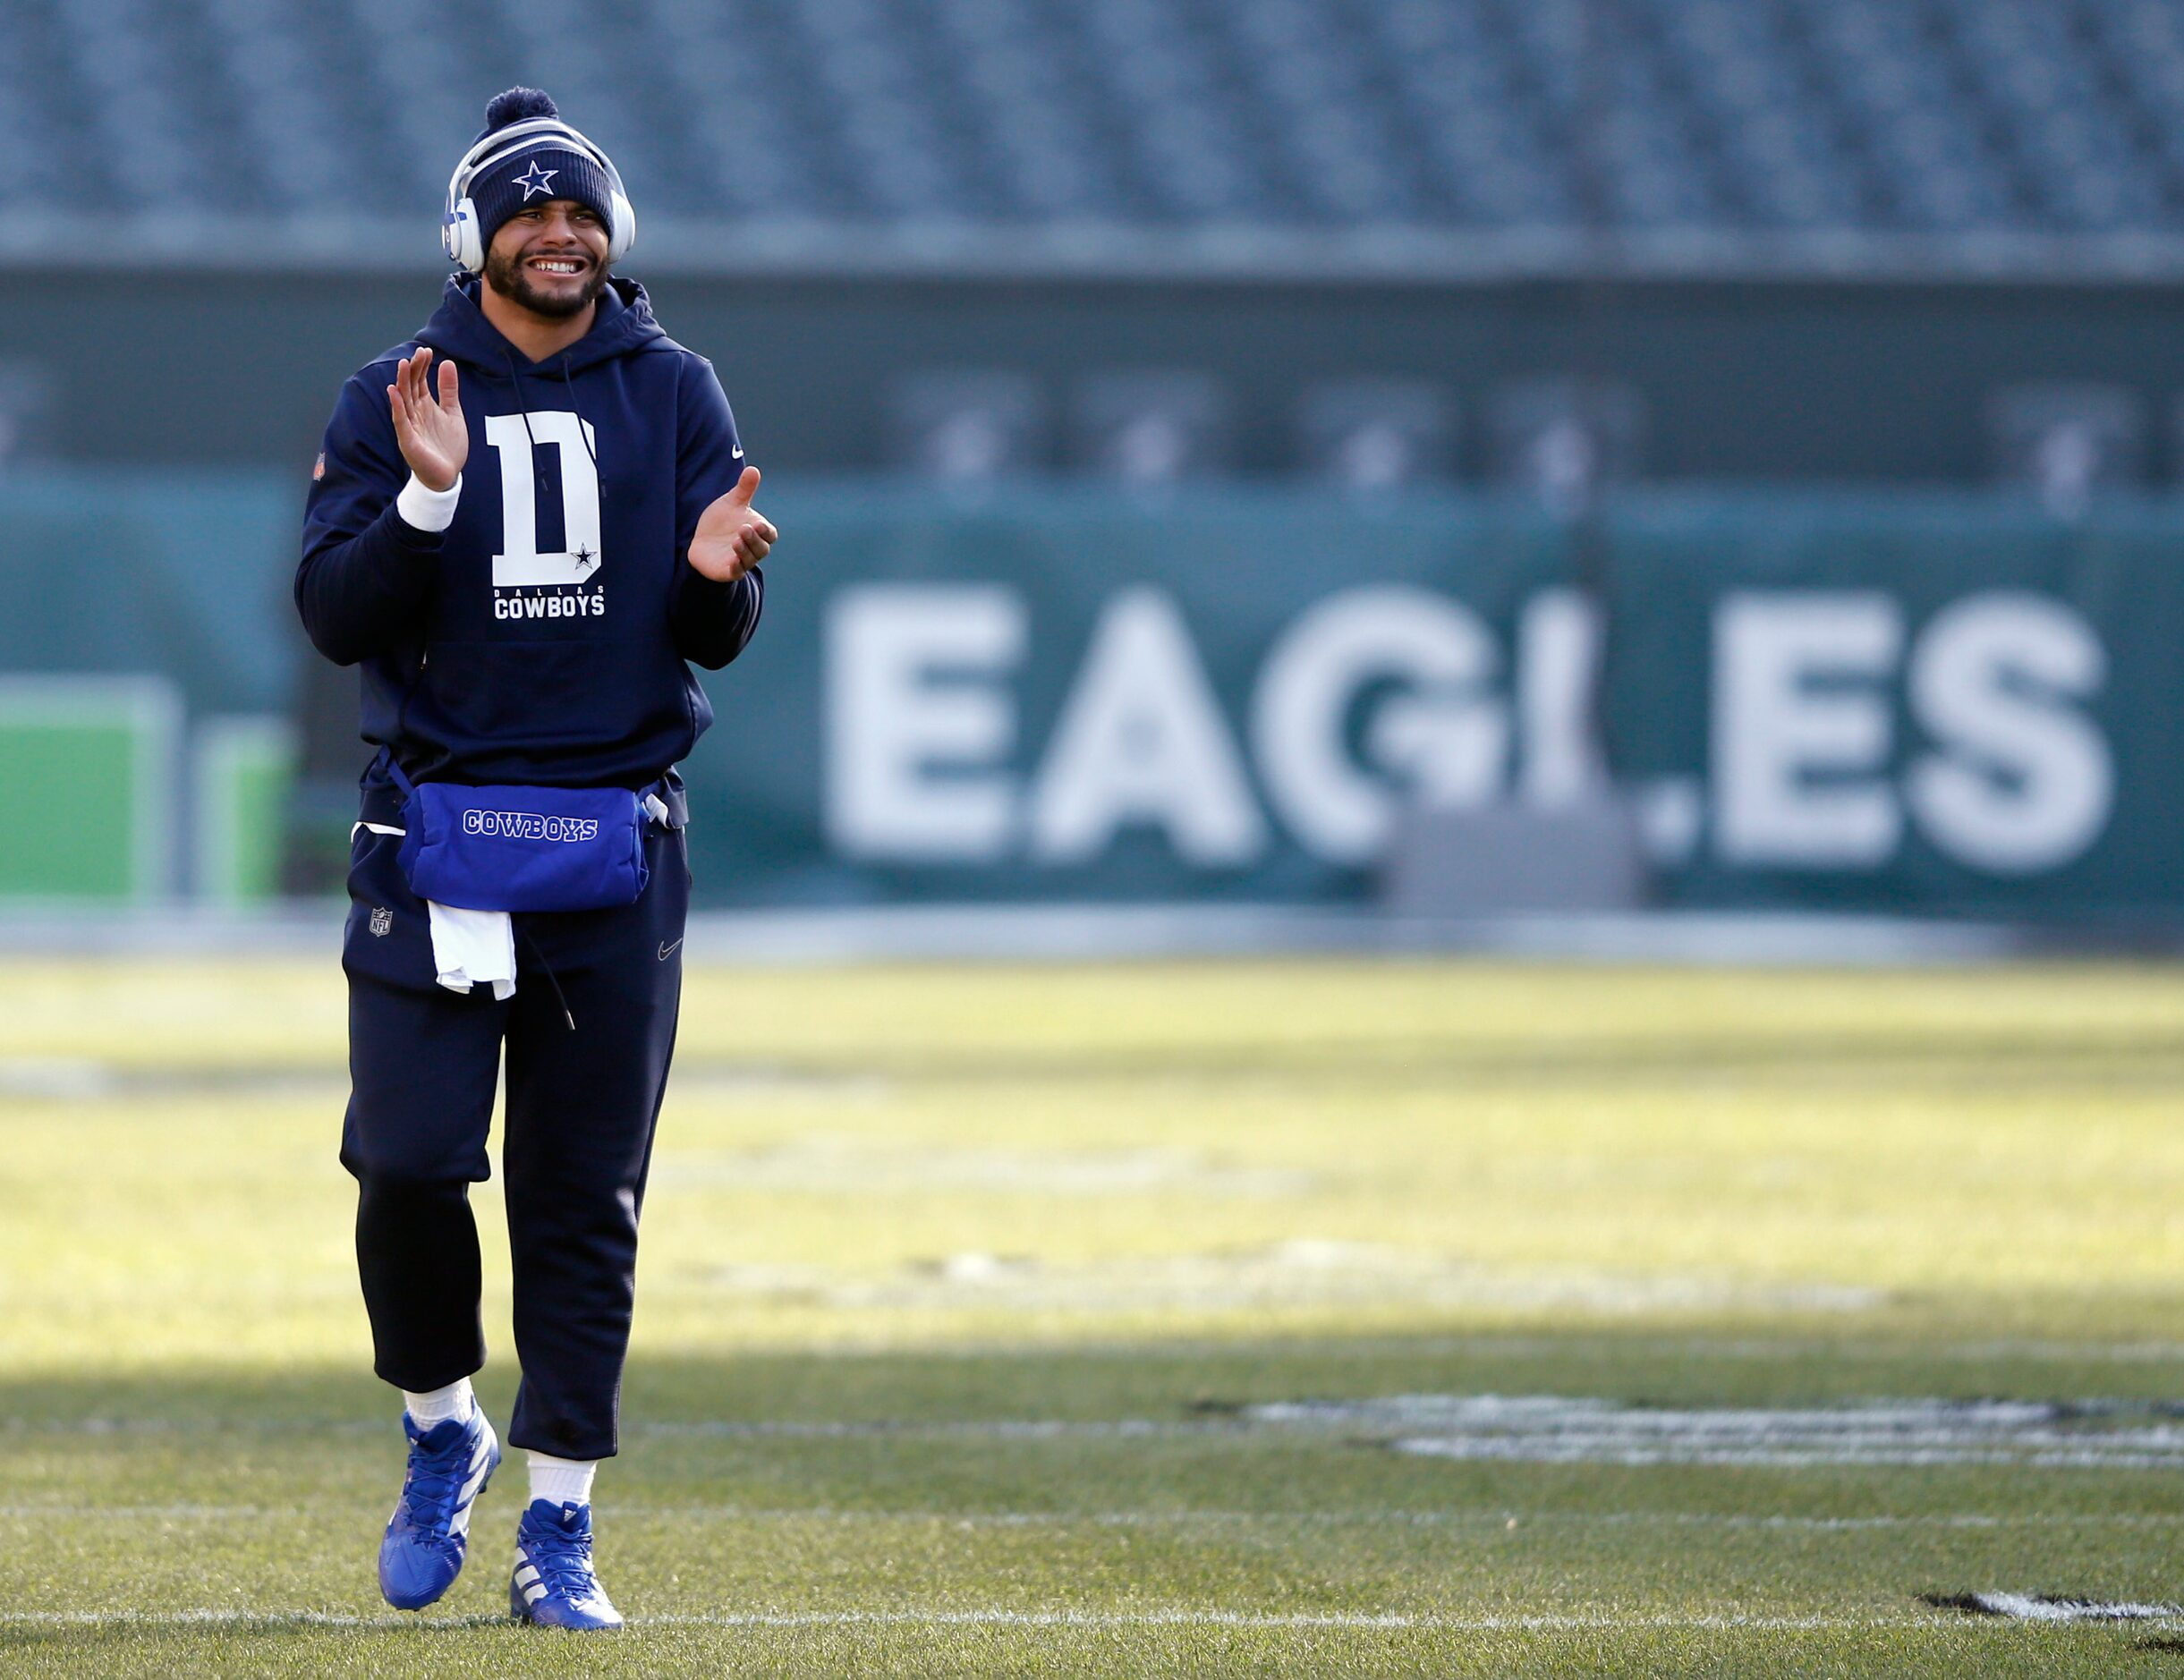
(459, 237)
(626, 230)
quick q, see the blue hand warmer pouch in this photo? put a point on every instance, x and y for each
(522, 848)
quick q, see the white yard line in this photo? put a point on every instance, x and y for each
(32, 1511)
(1245, 1619)
(967, 1429)
(725, 1429)
(1575, 1621)
(1498, 1520)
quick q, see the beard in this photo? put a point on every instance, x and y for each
(507, 275)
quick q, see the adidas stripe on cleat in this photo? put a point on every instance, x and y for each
(554, 1585)
(429, 1534)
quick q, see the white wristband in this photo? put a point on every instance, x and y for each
(424, 509)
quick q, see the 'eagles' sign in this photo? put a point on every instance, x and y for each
(1382, 694)
(1901, 703)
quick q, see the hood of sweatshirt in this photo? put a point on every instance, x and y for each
(622, 325)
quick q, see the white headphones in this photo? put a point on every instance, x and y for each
(459, 235)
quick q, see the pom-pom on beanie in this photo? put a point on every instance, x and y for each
(543, 166)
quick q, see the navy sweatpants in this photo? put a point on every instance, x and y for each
(582, 1101)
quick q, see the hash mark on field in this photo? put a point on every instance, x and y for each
(2039, 1607)
(1563, 1430)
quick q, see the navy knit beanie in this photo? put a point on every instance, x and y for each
(543, 166)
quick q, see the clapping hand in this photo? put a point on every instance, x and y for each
(731, 537)
(434, 439)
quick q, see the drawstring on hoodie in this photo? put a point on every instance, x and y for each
(568, 384)
(522, 407)
(581, 432)
(546, 968)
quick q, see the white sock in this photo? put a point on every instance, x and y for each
(561, 1481)
(454, 1400)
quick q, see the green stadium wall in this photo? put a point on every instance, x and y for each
(1900, 701)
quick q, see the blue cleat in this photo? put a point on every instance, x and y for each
(450, 1464)
(554, 1585)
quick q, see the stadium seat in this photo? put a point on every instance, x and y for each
(1149, 428)
(1368, 435)
(966, 426)
(1559, 439)
(2067, 442)
(1713, 116)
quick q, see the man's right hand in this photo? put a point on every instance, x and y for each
(434, 439)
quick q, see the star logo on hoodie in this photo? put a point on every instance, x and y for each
(535, 181)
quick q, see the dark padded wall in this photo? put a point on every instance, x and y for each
(1870, 382)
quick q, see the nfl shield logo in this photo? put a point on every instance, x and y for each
(382, 923)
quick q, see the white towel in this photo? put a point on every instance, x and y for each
(473, 948)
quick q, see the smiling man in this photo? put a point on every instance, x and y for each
(525, 555)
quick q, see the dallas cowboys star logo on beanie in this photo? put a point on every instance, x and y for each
(543, 166)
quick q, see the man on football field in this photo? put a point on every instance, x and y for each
(527, 523)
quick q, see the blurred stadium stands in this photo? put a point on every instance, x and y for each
(1169, 238)
(1180, 136)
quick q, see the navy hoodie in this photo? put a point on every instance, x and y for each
(542, 637)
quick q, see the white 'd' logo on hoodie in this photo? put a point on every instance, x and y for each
(519, 564)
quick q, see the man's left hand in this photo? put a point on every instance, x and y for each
(732, 536)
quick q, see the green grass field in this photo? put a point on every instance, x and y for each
(980, 1308)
